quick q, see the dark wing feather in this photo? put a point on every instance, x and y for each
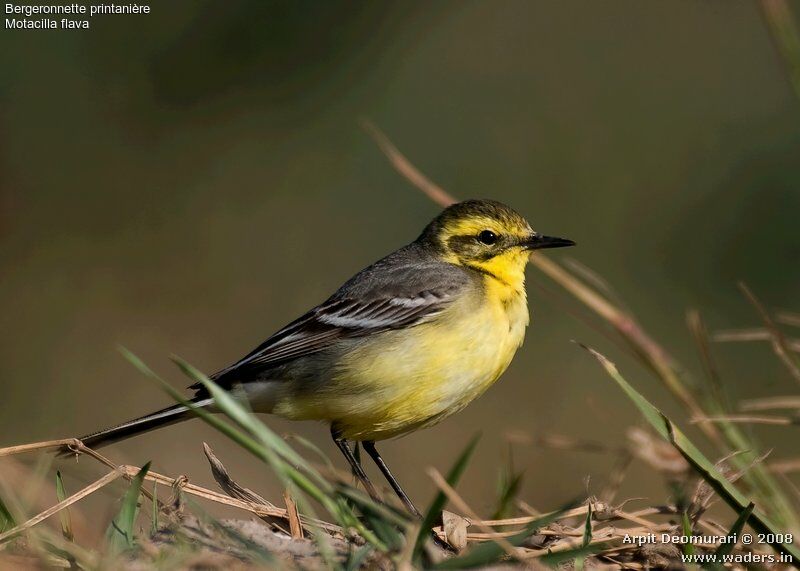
(399, 291)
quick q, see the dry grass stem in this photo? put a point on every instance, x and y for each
(653, 354)
(745, 419)
(369, 537)
(295, 528)
(617, 476)
(458, 501)
(228, 484)
(777, 338)
(699, 332)
(22, 448)
(90, 489)
(788, 318)
(770, 403)
(786, 36)
(785, 466)
(751, 334)
(564, 442)
(405, 168)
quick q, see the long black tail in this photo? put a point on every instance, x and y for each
(158, 419)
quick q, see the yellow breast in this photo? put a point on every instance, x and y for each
(405, 379)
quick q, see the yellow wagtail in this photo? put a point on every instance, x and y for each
(403, 344)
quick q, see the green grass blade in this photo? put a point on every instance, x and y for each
(292, 468)
(154, 519)
(587, 538)
(243, 440)
(308, 445)
(369, 506)
(736, 530)
(510, 484)
(587, 528)
(786, 36)
(229, 406)
(121, 531)
(389, 535)
(438, 503)
(702, 465)
(686, 526)
(296, 470)
(756, 473)
(6, 519)
(66, 520)
(269, 448)
(245, 419)
(578, 554)
(357, 558)
(254, 549)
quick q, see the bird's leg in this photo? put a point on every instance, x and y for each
(369, 446)
(358, 470)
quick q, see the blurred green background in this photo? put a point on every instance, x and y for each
(189, 181)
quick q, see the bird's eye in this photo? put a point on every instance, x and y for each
(487, 237)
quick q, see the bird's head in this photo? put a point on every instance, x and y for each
(488, 236)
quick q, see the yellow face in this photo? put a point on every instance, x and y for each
(489, 237)
(493, 246)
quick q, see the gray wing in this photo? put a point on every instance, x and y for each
(402, 290)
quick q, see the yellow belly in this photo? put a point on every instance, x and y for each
(403, 380)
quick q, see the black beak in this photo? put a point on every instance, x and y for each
(538, 242)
